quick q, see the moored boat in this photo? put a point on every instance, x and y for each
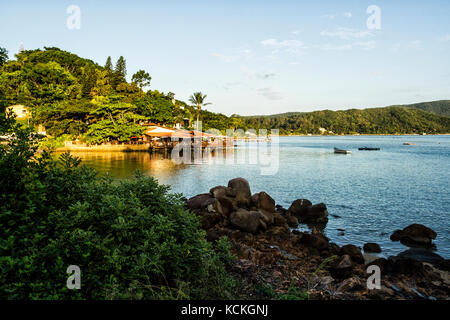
(368, 149)
(342, 151)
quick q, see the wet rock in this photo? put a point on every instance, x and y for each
(305, 212)
(423, 255)
(354, 252)
(408, 266)
(315, 241)
(279, 209)
(299, 207)
(241, 188)
(279, 220)
(317, 213)
(292, 221)
(372, 247)
(342, 267)
(266, 217)
(218, 192)
(227, 205)
(245, 220)
(215, 206)
(380, 262)
(263, 201)
(200, 201)
(210, 219)
(415, 235)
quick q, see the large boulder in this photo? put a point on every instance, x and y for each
(279, 220)
(218, 192)
(241, 188)
(316, 241)
(292, 221)
(354, 252)
(415, 235)
(248, 221)
(263, 201)
(267, 217)
(210, 219)
(317, 213)
(342, 267)
(306, 212)
(299, 207)
(200, 201)
(372, 247)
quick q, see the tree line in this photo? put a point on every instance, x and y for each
(77, 98)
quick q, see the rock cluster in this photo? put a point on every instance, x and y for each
(270, 253)
(415, 235)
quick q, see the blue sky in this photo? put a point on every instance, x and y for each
(256, 57)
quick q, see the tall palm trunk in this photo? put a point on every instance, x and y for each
(198, 116)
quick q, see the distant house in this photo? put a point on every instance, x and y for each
(21, 111)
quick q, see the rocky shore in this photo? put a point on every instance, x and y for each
(275, 260)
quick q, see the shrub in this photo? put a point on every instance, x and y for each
(131, 239)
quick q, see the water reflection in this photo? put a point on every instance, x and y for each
(124, 164)
(157, 164)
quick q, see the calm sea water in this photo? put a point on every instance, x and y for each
(373, 192)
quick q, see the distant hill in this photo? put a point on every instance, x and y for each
(441, 107)
(387, 120)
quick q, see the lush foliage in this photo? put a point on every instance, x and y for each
(390, 120)
(64, 91)
(441, 107)
(131, 239)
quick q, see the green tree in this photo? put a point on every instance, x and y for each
(141, 79)
(108, 65)
(120, 72)
(198, 100)
(3, 56)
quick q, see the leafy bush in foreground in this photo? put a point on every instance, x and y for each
(131, 239)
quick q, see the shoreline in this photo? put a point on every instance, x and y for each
(275, 259)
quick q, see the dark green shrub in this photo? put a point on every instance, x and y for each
(132, 239)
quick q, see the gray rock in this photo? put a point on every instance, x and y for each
(245, 220)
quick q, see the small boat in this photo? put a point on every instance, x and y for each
(409, 144)
(336, 150)
(368, 149)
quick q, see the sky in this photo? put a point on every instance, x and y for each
(255, 57)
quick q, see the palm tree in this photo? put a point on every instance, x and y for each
(198, 99)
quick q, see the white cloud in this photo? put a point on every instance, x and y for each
(269, 94)
(224, 58)
(282, 44)
(347, 14)
(329, 16)
(346, 33)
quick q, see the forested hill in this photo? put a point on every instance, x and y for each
(388, 120)
(441, 107)
(74, 97)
